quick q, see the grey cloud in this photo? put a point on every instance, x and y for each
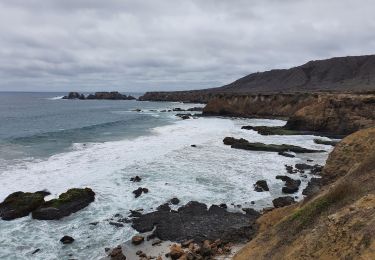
(154, 45)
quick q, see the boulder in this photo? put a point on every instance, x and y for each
(174, 201)
(137, 240)
(135, 179)
(69, 202)
(67, 240)
(117, 254)
(176, 251)
(20, 204)
(286, 154)
(291, 185)
(138, 192)
(261, 185)
(312, 187)
(283, 201)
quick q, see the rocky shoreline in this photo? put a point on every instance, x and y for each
(328, 113)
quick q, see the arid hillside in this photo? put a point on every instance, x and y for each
(337, 223)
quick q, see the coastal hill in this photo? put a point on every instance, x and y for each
(340, 74)
(353, 73)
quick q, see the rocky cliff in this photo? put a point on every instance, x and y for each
(337, 223)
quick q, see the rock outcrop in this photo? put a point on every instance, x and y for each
(20, 204)
(337, 222)
(195, 221)
(114, 95)
(246, 145)
(67, 203)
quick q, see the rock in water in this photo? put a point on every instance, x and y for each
(20, 204)
(246, 145)
(174, 201)
(67, 203)
(291, 185)
(283, 201)
(67, 240)
(261, 185)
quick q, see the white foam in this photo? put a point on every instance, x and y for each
(169, 166)
(55, 98)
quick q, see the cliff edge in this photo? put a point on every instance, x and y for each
(338, 223)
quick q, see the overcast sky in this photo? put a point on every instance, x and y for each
(138, 45)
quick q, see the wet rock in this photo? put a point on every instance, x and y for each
(283, 201)
(325, 142)
(291, 185)
(195, 221)
(69, 202)
(116, 224)
(20, 204)
(316, 169)
(67, 240)
(137, 240)
(174, 201)
(135, 213)
(193, 145)
(250, 211)
(117, 254)
(246, 145)
(195, 109)
(164, 207)
(303, 166)
(223, 206)
(35, 251)
(138, 192)
(135, 179)
(313, 187)
(261, 185)
(289, 169)
(286, 154)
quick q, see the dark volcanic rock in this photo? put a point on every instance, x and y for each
(246, 145)
(67, 240)
(174, 201)
(20, 204)
(330, 142)
(135, 179)
(194, 221)
(313, 186)
(291, 185)
(67, 203)
(261, 185)
(286, 154)
(138, 192)
(283, 201)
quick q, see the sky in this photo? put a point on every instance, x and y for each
(151, 45)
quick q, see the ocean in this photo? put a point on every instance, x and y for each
(54, 144)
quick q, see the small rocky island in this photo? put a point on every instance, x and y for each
(113, 95)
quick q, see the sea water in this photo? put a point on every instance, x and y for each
(54, 144)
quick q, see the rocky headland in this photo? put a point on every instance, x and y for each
(114, 95)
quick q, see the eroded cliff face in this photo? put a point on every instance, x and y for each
(273, 105)
(331, 113)
(338, 223)
(341, 114)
